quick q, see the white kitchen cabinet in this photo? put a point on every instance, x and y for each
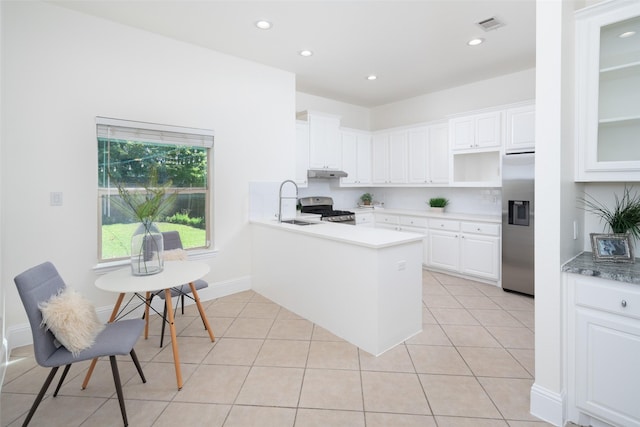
(398, 157)
(428, 155)
(356, 158)
(608, 83)
(476, 131)
(389, 158)
(443, 244)
(520, 135)
(604, 344)
(380, 158)
(302, 153)
(406, 223)
(475, 143)
(438, 153)
(389, 221)
(443, 250)
(418, 149)
(480, 250)
(476, 168)
(468, 248)
(324, 140)
(365, 219)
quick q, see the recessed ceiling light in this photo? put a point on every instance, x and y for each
(627, 34)
(305, 53)
(263, 25)
(372, 77)
(475, 42)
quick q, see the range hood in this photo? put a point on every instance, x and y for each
(326, 173)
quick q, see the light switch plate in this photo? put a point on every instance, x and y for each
(55, 198)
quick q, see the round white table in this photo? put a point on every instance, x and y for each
(174, 274)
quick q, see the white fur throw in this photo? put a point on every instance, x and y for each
(175, 255)
(72, 319)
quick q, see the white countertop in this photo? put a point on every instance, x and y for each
(427, 214)
(375, 238)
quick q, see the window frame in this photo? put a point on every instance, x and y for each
(157, 134)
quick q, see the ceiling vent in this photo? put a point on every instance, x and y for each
(490, 24)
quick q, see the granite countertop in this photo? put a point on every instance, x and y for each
(585, 265)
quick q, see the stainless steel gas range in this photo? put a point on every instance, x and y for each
(323, 206)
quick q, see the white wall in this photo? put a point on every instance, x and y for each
(60, 70)
(556, 195)
(3, 341)
(605, 193)
(351, 116)
(480, 201)
(505, 89)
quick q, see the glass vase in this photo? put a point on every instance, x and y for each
(147, 250)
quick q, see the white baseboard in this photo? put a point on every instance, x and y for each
(20, 335)
(547, 405)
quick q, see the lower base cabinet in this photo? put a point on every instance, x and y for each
(465, 247)
(603, 351)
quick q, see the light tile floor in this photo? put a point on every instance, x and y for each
(472, 365)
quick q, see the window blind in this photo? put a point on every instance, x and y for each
(128, 130)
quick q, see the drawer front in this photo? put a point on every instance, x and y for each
(366, 218)
(444, 224)
(413, 221)
(609, 296)
(480, 228)
(387, 219)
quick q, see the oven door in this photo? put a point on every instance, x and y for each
(338, 220)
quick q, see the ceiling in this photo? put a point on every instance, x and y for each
(414, 47)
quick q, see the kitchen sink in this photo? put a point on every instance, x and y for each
(297, 222)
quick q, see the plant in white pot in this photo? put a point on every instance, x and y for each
(366, 199)
(624, 217)
(438, 204)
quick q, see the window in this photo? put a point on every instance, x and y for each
(130, 154)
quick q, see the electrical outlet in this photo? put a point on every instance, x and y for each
(55, 198)
(402, 265)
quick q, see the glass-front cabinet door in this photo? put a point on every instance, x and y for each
(608, 92)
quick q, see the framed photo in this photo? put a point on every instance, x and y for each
(611, 247)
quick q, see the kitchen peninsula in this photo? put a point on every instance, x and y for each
(361, 284)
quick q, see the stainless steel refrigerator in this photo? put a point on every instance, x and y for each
(518, 220)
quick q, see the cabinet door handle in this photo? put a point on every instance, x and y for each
(623, 303)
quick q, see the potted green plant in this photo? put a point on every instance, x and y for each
(366, 199)
(438, 204)
(623, 217)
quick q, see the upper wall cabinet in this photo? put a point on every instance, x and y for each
(390, 157)
(356, 157)
(476, 131)
(476, 148)
(324, 140)
(520, 129)
(608, 79)
(428, 158)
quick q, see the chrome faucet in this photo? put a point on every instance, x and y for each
(280, 198)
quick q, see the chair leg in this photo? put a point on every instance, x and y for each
(116, 380)
(182, 299)
(64, 374)
(164, 323)
(43, 390)
(134, 357)
(145, 315)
